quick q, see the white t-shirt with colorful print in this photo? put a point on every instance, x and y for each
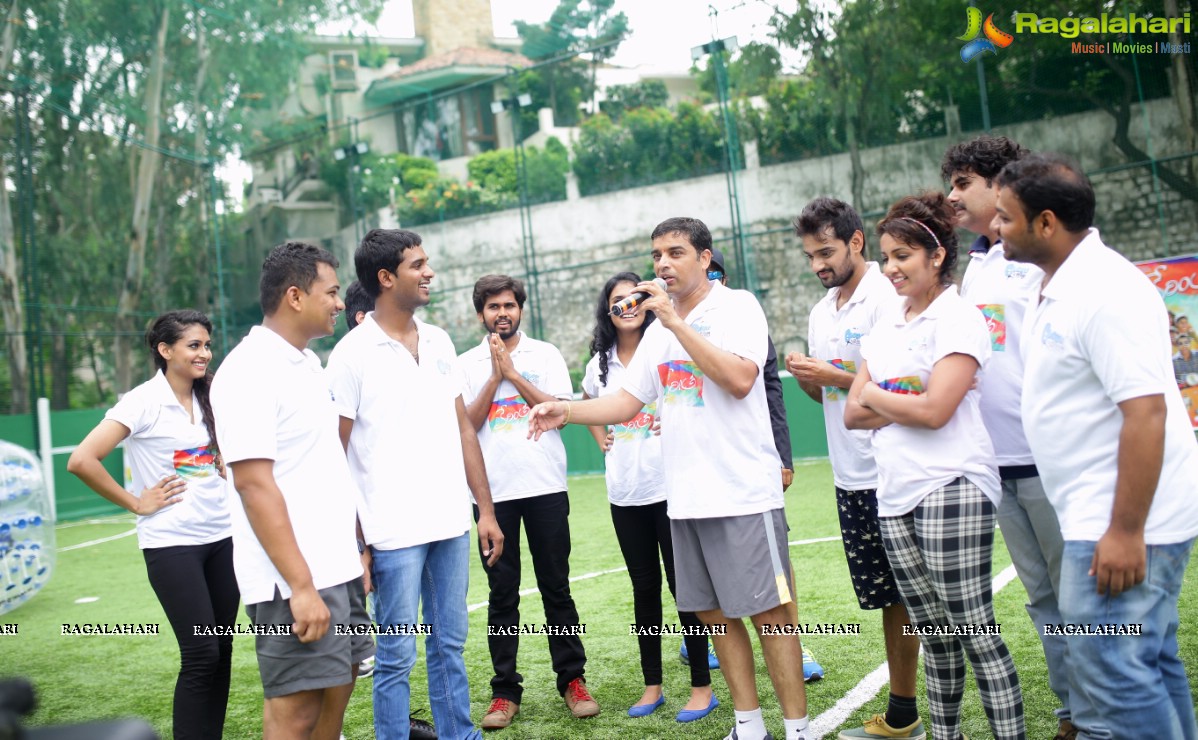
(834, 336)
(519, 467)
(163, 440)
(900, 355)
(634, 471)
(718, 451)
(1002, 290)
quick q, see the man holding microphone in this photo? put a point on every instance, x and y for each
(702, 361)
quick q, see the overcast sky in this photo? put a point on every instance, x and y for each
(661, 32)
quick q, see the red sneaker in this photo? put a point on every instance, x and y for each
(579, 700)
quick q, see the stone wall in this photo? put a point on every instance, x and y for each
(580, 243)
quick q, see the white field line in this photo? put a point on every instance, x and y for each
(114, 519)
(102, 540)
(869, 686)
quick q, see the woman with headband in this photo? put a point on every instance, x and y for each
(938, 483)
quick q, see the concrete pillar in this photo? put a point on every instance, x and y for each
(752, 156)
(952, 122)
(545, 119)
(572, 186)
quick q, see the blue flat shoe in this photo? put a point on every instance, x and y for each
(690, 715)
(644, 710)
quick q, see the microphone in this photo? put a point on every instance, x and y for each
(634, 300)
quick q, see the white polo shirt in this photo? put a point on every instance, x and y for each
(834, 336)
(272, 402)
(405, 450)
(1002, 290)
(163, 440)
(634, 471)
(913, 462)
(519, 467)
(717, 450)
(1100, 336)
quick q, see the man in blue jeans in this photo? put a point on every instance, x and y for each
(1113, 444)
(415, 459)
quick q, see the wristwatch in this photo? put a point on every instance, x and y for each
(361, 547)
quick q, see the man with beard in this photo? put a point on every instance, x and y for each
(507, 374)
(834, 242)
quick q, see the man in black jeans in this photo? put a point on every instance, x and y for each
(506, 374)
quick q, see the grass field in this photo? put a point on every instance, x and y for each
(91, 677)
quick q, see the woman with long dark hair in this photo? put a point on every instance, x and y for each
(183, 525)
(938, 483)
(636, 491)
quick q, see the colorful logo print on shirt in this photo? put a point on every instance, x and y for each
(993, 36)
(196, 463)
(836, 393)
(639, 428)
(853, 337)
(909, 385)
(996, 322)
(508, 415)
(683, 383)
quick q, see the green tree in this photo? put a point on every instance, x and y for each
(644, 94)
(130, 105)
(751, 71)
(573, 27)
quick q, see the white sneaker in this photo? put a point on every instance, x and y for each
(366, 668)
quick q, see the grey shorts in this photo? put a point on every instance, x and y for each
(288, 666)
(739, 564)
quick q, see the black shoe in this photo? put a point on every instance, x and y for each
(420, 730)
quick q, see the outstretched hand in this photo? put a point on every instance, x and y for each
(546, 417)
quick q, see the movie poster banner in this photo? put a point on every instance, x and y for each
(1177, 280)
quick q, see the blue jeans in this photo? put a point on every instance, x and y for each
(1136, 684)
(437, 574)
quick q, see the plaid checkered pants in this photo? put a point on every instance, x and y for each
(940, 553)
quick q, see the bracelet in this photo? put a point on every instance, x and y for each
(569, 410)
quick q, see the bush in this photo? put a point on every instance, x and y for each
(440, 200)
(648, 145)
(495, 173)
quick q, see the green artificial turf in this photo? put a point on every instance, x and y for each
(81, 678)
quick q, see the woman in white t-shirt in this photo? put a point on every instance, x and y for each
(938, 484)
(183, 525)
(636, 490)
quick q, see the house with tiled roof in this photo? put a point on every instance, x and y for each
(430, 96)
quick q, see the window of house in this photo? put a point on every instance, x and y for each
(453, 126)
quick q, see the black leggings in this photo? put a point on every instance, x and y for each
(643, 531)
(196, 587)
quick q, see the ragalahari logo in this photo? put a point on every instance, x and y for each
(993, 36)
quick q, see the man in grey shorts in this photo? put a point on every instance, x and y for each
(701, 361)
(294, 520)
